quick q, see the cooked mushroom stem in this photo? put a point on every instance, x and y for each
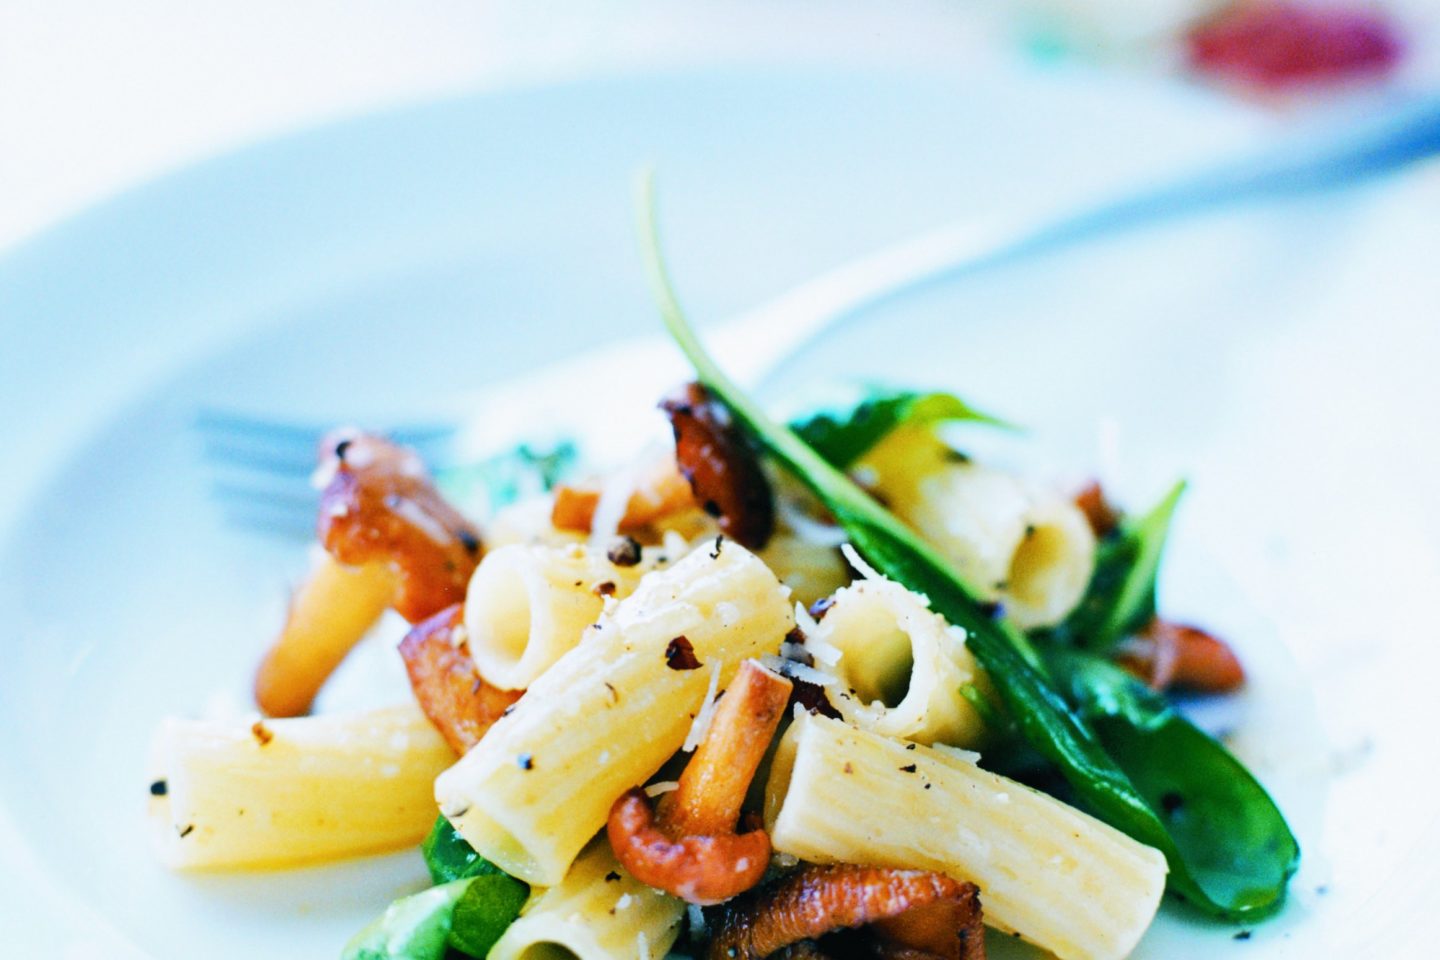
(329, 613)
(458, 701)
(713, 784)
(701, 869)
(690, 849)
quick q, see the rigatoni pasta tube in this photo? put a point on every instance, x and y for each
(901, 666)
(610, 712)
(1028, 548)
(528, 604)
(598, 912)
(1047, 872)
(280, 792)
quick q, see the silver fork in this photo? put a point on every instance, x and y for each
(260, 467)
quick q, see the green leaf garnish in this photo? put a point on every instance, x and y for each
(1121, 596)
(412, 928)
(1189, 778)
(1015, 670)
(845, 436)
(472, 904)
(490, 904)
(450, 857)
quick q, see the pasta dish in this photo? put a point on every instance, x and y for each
(829, 688)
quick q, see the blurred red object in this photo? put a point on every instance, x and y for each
(1282, 45)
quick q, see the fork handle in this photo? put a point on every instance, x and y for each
(1339, 155)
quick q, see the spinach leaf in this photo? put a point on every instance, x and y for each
(1121, 596)
(450, 857)
(842, 438)
(472, 904)
(1189, 778)
(490, 904)
(1041, 714)
(412, 928)
(467, 915)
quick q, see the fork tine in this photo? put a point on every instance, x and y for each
(260, 468)
(289, 497)
(257, 518)
(259, 460)
(289, 448)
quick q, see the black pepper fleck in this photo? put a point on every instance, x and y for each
(680, 655)
(908, 768)
(625, 552)
(605, 589)
(469, 541)
(719, 541)
(341, 447)
(525, 761)
(711, 508)
(611, 877)
(159, 788)
(1243, 935)
(188, 829)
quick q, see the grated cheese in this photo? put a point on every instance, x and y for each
(610, 509)
(858, 562)
(701, 727)
(661, 787)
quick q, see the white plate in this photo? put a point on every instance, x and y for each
(383, 268)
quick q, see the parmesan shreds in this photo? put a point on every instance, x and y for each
(701, 727)
(797, 671)
(858, 562)
(660, 787)
(826, 653)
(808, 625)
(610, 509)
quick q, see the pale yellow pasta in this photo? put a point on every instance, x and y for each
(901, 666)
(1013, 542)
(279, 792)
(811, 570)
(611, 711)
(598, 912)
(528, 604)
(1057, 877)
